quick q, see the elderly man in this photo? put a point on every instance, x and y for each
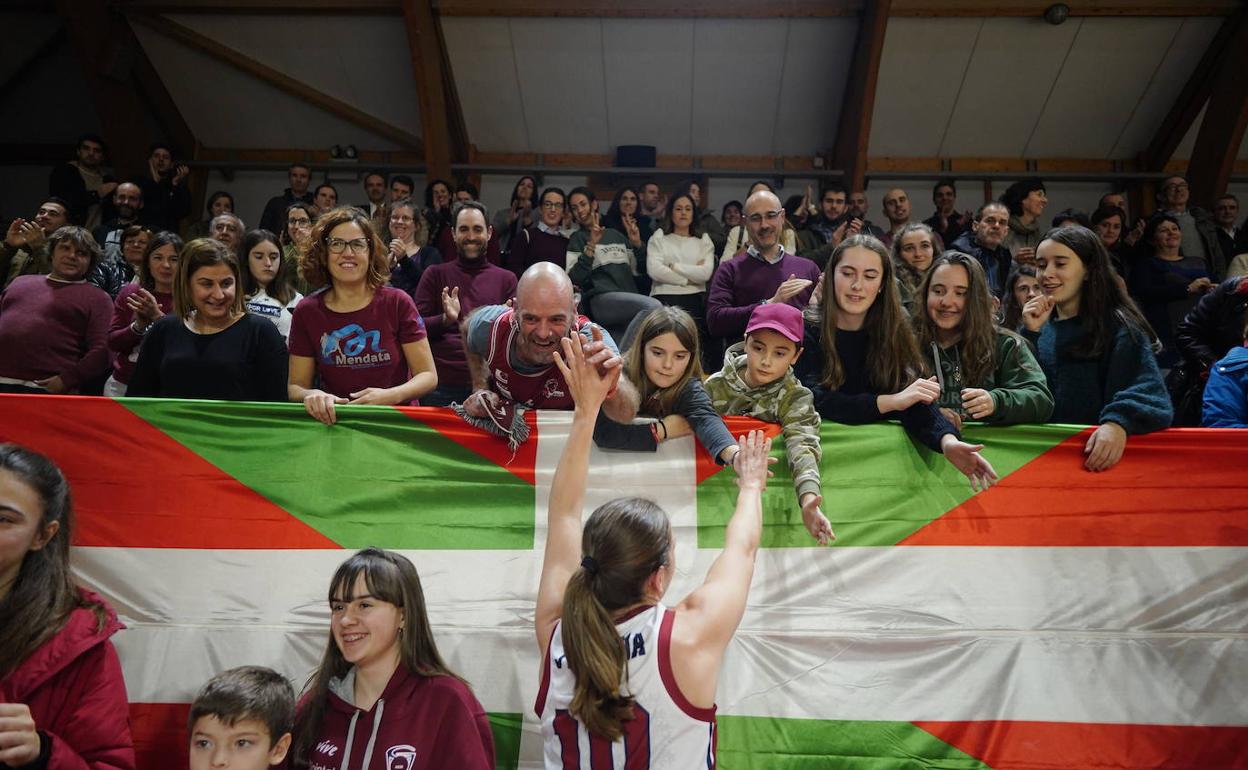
(228, 229)
(24, 249)
(1196, 226)
(984, 242)
(511, 354)
(763, 273)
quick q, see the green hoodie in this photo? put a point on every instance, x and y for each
(785, 401)
(612, 267)
(1019, 390)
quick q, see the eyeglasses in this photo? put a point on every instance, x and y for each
(299, 222)
(402, 220)
(771, 216)
(552, 205)
(357, 246)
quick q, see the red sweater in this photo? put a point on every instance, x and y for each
(50, 328)
(76, 694)
(432, 722)
(122, 340)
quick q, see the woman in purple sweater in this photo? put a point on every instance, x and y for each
(54, 328)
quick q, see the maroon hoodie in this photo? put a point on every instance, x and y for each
(418, 723)
(76, 694)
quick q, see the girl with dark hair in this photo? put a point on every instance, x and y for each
(210, 347)
(437, 209)
(986, 373)
(1110, 224)
(652, 697)
(626, 217)
(707, 222)
(1167, 284)
(362, 340)
(664, 365)
(519, 215)
(62, 695)
(680, 259)
(266, 281)
(140, 305)
(1096, 351)
(382, 682)
(1020, 287)
(914, 248)
(296, 239)
(862, 361)
(220, 202)
(1026, 200)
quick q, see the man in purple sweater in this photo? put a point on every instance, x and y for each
(451, 290)
(54, 328)
(763, 273)
(543, 242)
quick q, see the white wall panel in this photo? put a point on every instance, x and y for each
(1107, 72)
(738, 70)
(1008, 80)
(921, 71)
(485, 68)
(816, 71)
(562, 83)
(362, 60)
(649, 81)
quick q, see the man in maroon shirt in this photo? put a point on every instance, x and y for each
(451, 290)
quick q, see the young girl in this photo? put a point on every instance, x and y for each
(382, 684)
(914, 248)
(140, 305)
(266, 281)
(652, 698)
(1021, 285)
(362, 339)
(1096, 352)
(870, 361)
(664, 365)
(986, 373)
(62, 695)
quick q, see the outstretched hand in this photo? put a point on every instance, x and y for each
(816, 523)
(967, 459)
(589, 384)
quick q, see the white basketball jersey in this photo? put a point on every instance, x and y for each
(667, 733)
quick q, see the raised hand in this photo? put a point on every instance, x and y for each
(1037, 311)
(791, 287)
(588, 384)
(450, 305)
(144, 306)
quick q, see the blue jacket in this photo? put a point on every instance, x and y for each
(1226, 393)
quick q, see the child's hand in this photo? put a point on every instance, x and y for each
(751, 460)
(816, 523)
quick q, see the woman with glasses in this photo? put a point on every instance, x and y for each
(362, 340)
(409, 256)
(296, 237)
(544, 241)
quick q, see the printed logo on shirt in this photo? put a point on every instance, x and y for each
(353, 346)
(634, 647)
(272, 311)
(551, 389)
(327, 747)
(401, 757)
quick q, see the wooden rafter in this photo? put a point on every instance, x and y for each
(277, 79)
(854, 129)
(1222, 130)
(441, 116)
(31, 63)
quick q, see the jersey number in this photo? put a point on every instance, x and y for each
(636, 743)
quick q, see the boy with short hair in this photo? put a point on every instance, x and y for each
(242, 720)
(758, 381)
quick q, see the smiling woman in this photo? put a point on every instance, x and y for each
(140, 305)
(382, 682)
(209, 347)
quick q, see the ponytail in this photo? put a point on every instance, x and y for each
(625, 541)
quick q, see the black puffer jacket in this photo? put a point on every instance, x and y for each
(1216, 324)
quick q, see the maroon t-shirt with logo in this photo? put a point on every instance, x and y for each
(360, 349)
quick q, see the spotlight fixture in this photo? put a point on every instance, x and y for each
(350, 153)
(335, 152)
(1057, 13)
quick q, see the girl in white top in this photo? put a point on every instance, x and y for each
(606, 582)
(679, 258)
(266, 282)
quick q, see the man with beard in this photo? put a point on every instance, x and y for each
(110, 272)
(897, 209)
(653, 202)
(83, 183)
(762, 273)
(165, 197)
(453, 289)
(985, 240)
(511, 355)
(299, 176)
(947, 221)
(858, 207)
(24, 251)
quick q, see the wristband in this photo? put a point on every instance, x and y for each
(136, 330)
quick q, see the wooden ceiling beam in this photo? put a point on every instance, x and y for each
(1226, 118)
(276, 79)
(31, 63)
(849, 150)
(441, 117)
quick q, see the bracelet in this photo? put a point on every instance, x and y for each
(137, 331)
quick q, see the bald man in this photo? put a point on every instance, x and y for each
(763, 273)
(511, 351)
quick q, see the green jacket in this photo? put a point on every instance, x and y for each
(1019, 390)
(785, 401)
(613, 266)
(15, 261)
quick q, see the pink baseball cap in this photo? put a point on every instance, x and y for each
(778, 317)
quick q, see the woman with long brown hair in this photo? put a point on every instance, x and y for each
(382, 683)
(985, 372)
(651, 698)
(62, 695)
(914, 249)
(870, 367)
(364, 340)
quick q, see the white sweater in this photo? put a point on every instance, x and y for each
(679, 264)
